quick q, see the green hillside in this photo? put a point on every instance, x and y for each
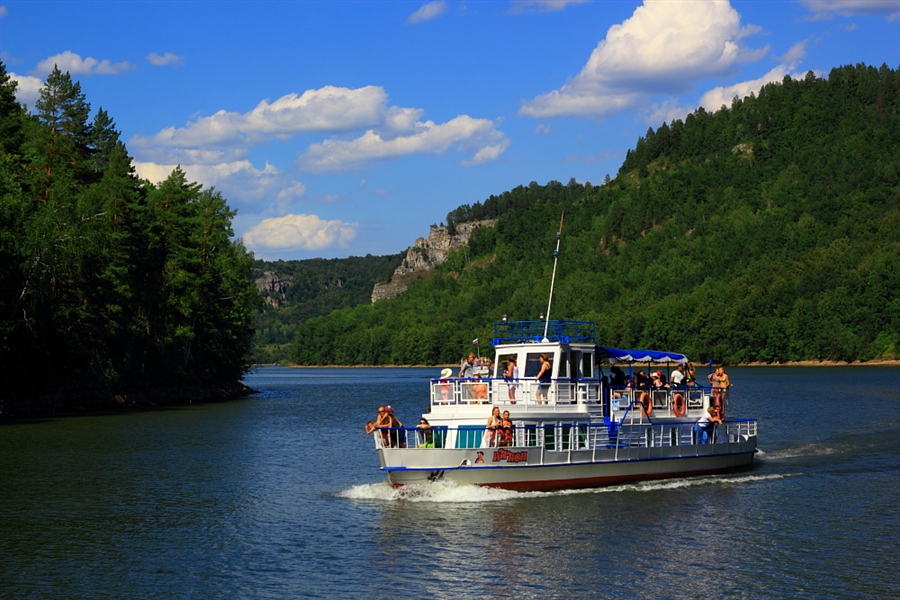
(766, 231)
(316, 287)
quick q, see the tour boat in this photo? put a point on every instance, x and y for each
(576, 430)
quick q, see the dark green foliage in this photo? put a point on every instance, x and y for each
(766, 231)
(319, 286)
(109, 282)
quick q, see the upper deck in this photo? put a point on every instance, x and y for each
(523, 332)
(576, 382)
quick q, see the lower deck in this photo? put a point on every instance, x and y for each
(561, 455)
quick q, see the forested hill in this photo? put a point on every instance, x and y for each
(766, 231)
(308, 288)
(109, 285)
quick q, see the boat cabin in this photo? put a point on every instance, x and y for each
(579, 378)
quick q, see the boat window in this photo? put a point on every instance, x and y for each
(503, 363)
(533, 363)
(563, 365)
(587, 365)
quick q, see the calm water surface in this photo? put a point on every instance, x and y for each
(280, 496)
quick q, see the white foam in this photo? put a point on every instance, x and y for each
(796, 452)
(439, 491)
(451, 492)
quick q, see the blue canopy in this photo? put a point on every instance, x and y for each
(615, 355)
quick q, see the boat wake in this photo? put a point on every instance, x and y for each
(451, 492)
(444, 491)
(796, 452)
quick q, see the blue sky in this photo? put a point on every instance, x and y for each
(348, 128)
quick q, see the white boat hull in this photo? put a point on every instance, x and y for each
(534, 469)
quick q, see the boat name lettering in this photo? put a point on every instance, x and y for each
(510, 457)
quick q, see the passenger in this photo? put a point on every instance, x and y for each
(714, 384)
(426, 432)
(724, 384)
(657, 382)
(481, 391)
(627, 391)
(446, 387)
(641, 381)
(678, 376)
(618, 377)
(382, 423)
(690, 376)
(506, 428)
(398, 438)
(543, 377)
(467, 367)
(370, 427)
(705, 427)
(494, 423)
(511, 374)
(467, 371)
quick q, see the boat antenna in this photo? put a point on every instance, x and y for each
(553, 278)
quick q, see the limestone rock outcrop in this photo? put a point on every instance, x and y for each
(425, 255)
(273, 288)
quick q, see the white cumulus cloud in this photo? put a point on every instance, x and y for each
(245, 186)
(160, 60)
(663, 48)
(74, 64)
(28, 88)
(329, 109)
(299, 232)
(429, 11)
(718, 97)
(423, 137)
(354, 127)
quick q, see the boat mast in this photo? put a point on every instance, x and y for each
(553, 277)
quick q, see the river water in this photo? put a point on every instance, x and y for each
(279, 496)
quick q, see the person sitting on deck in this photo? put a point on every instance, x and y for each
(704, 428)
(641, 381)
(657, 381)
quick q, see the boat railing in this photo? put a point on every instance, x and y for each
(563, 436)
(562, 392)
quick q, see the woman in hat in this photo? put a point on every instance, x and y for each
(446, 388)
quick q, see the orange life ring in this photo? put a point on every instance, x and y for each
(646, 405)
(678, 405)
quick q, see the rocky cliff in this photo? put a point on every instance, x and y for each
(273, 288)
(425, 255)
